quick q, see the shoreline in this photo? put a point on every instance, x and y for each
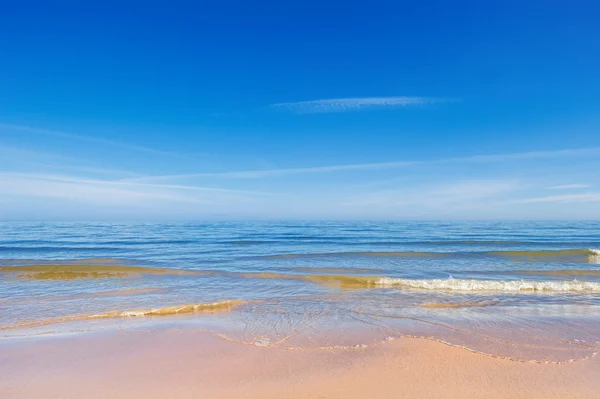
(190, 364)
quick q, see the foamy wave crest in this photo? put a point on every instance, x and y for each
(172, 310)
(594, 257)
(492, 285)
(216, 307)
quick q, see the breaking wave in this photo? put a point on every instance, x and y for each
(492, 285)
(562, 255)
(215, 307)
(171, 310)
(450, 284)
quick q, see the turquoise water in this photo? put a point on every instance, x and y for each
(524, 290)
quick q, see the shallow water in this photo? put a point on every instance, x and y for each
(523, 290)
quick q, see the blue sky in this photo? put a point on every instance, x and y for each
(311, 110)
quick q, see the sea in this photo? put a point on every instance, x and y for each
(525, 291)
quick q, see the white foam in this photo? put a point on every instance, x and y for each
(492, 285)
(263, 341)
(595, 256)
(133, 313)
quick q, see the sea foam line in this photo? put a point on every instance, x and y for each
(492, 285)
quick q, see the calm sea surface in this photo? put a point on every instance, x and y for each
(524, 290)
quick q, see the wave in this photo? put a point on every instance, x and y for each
(84, 271)
(456, 305)
(563, 255)
(465, 285)
(248, 242)
(38, 248)
(407, 254)
(215, 307)
(131, 291)
(171, 310)
(561, 272)
(336, 270)
(493, 285)
(55, 262)
(548, 253)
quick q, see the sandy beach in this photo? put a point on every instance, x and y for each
(192, 364)
(300, 200)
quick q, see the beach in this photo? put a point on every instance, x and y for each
(180, 364)
(303, 310)
(300, 200)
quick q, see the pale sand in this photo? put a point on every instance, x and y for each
(171, 364)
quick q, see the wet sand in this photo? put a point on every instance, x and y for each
(193, 364)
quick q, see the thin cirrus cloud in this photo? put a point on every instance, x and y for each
(570, 186)
(452, 195)
(106, 192)
(79, 137)
(354, 104)
(16, 158)
(259, 174)
(269, 173)
(587, 197)
(99, 182)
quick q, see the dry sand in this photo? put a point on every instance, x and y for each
(176, 364)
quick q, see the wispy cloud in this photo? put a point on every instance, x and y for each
(354, 104)
(530, 155)
(257, 174)
(587, 197)
(570, 186)
(107, 192)
(79, 137)
(447, 197)
(19, 159)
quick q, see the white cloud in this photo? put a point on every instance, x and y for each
(257, 174)
(354, 104)
(446, 197)
(570, 186)
(78, 137)
(107, 192)
(527, 155)
(80, 191)
(14, 158)
(588, 197)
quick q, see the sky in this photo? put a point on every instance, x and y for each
(380, 110)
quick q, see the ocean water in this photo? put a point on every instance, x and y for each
(528, 291)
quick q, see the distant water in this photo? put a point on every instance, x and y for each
(523, 290)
